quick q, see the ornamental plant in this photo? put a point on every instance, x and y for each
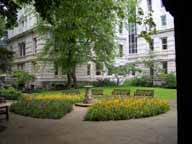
(129, 108)
(46, 106)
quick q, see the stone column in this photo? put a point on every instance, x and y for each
(88, 94)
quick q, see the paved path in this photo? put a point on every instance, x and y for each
(71, 129)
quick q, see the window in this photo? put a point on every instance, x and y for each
(120, 50)
(35, 45)
(20, 66)
(89, 69)
(149, 3)
(164, 43)
(164, 65)
(121, 27)
(151, 45)
(132, 38)
(21, 49)
(163, 20)
(98, 69)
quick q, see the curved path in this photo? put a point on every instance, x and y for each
(71, 129)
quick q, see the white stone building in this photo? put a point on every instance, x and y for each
(27, 44)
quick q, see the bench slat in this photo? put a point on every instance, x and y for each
(140, 92)
(121, 92)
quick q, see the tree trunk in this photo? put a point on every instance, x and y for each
(69, 82)
(117, 80)
(73, 75)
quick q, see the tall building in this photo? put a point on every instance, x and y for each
(26, 44)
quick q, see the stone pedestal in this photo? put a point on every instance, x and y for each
(88, 101)
(88, 95)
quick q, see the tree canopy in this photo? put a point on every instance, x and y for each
(80, 30)
(85, 30)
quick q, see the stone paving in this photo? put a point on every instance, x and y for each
(71, 129)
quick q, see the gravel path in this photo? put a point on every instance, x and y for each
(71, 129)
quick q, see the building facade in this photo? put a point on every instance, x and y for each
(26, 44)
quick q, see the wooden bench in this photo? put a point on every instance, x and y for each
(97, 92)
(121, 92)
(140, 92)
(4, 107)
(71, 92)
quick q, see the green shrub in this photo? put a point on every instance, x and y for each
(51, 109)
(22, 78)
(57, 85)
(10, 93)
(103, 83)
(170, 80)
(123, 109)
(144, 81)
(38, 90)
(81, 84)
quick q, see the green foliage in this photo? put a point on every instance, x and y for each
(2, 26)
(81, 84)
(103, 83)
(50, 109)
(9, 9)
(71, 92)
(77, 32)
(6, 57)
(148, 23)
(129, 108)
(79, 35)
(161, 93)
(169, 80)
(144, 81)
(57, 85)
(10, 93)
(22, 77)
(123, 70)
(38, 90)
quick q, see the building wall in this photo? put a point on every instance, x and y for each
(143, 47)
(44, 71)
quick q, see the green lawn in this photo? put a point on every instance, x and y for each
(159, 92)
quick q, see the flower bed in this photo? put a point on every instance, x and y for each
(45, 106)
(59, 97)
(129, 108)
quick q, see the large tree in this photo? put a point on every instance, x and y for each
(83, 31)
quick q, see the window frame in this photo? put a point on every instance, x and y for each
(164, 44)
(120, 50)
(34, 45)
(163, 20)
(88, 69)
